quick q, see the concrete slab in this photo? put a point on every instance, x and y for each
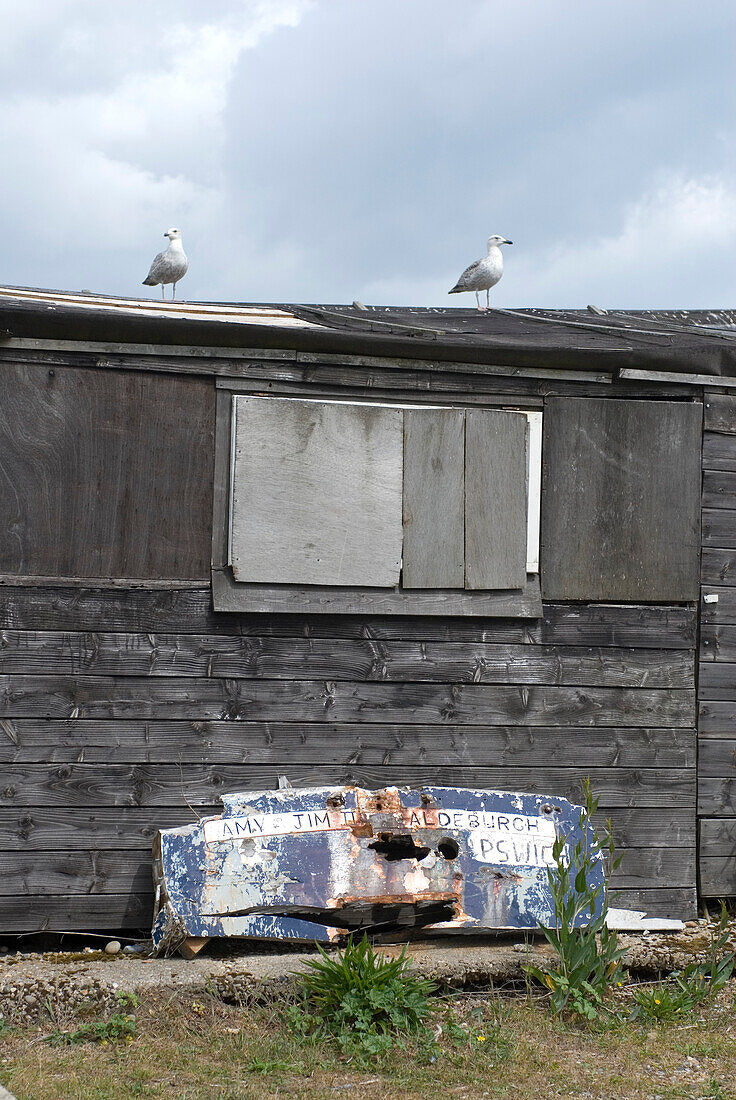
(70, 980)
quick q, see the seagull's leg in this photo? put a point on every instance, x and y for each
(488, 300)
(477, 300)
(173, 293)
(163, 296)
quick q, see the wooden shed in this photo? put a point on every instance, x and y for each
(359, 545)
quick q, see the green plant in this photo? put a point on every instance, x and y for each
(588, 955)
(117, 1028)
(125, 999)
(362, 1000)
(685, 990)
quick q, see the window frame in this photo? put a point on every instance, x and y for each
(230, 595)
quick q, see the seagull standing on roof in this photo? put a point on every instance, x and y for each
(483, 274)
(169, 266)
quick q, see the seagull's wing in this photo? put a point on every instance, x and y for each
(467, 279)
(158, 268)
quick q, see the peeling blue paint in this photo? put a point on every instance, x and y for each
(312, 863)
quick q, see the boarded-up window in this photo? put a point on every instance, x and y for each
(361, 495)
(105, 474)
(621, 500)
(316, 493)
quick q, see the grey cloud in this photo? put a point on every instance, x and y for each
(373, 147)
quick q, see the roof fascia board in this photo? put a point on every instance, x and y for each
(630, 374)
(158, 354)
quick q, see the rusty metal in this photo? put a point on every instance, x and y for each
(313, 863)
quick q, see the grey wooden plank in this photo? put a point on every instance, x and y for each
(621, 500)
(67, 912)
(719, 489)
(676, 902)
(208, 360)
(685, 379)
(80, 872)
(719, 413)
(221, 482)
(228, 595)
(651, 828)
(719, 451)
(716, 796)
(495, 499)
(43, 828)
(717, 643)
(623, 625)
(717, 876)
(717, 680)
(717, 718)
(433, 506)
(316, 493)
(129, 828)
(82, 609)
(645, 867)
(719, 528)
(717, 757)
(190, 612)
(717, 566)
(314, 701)
(724, 609)
(266, 657)
(718, 837)
(285, 743)
(390, 384)
(338, 372)
(97, 785)
(108, 479)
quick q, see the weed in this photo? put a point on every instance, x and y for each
(684, 991)
(125, 999)
(365, 1002)
(118, 1027)
(588, 955)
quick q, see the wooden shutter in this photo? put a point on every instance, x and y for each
(495, 499)
(316, 493)
(621, 500)
(465, 499)
(434, 486)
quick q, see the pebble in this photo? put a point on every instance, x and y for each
(134, 949)
(113, 947)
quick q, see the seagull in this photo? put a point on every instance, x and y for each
(169, 266)
(483, 274)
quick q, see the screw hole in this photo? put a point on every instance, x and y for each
(448, 848)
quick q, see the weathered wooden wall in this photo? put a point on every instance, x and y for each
(717, 666)
(126, 710)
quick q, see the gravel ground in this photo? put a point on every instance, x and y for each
(35, 985)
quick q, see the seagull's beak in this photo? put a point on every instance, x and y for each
(507, 242)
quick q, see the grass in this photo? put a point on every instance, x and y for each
(201, 1049)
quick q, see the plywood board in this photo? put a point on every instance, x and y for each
(621, 500)
(104, 475)
(495, 499)
(434, 478)
(316, 493)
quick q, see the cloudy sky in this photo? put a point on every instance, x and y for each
(326, 150)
